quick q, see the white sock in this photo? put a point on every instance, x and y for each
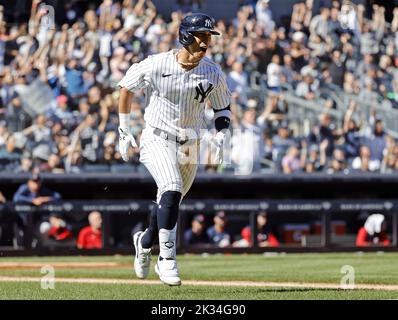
(167, 242)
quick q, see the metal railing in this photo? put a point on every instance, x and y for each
(305, 112)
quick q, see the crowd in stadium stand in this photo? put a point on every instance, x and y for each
(82, 60)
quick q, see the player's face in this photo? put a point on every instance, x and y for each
(201, 44)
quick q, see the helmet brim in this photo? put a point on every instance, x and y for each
(213, 32)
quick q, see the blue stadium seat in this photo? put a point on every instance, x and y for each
(96, 168)
(123, 168)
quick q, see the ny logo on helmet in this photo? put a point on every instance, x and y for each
(208, 23)
(202, 93)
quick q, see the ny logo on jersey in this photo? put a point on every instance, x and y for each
(208, 23)
(202, 93)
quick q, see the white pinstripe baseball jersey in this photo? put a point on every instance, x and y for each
(175, 98)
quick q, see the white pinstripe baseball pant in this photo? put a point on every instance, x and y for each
(161, 158)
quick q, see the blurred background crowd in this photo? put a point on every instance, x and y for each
(316, 92)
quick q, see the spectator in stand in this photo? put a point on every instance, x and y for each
(351, 133)
(34, 193)
(349, 18)
(90, 237)
(301, 15)
(196, 235)
(38, 134)
(338, 163)
(299, 52)
(17, 118)
(390, 160)
(288, 75)
(10, 154)
(265, 237)
(313, 157)
(320, 24)
(56, 229)
(53, 165)
(364, 163)
(4, 133)
(337, 68)
(307, 88)
(26, 164)
(264, 16)
(237, 81)
(89, 134)
(274, 72)
(322, 131)
(373, 233)
(247, 151)
(339, 48)
(291, 161)
(274, 112)
(217, 234)
(376, 140)
(60, 112)
(281, 143)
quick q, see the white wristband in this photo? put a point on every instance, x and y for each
(124, 120)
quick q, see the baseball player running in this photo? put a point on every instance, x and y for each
(177, 84)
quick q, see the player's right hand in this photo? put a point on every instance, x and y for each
(125, 139)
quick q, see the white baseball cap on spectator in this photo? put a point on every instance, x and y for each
(77, 54)
(298, 36)
(374, 223)
(110, 138)
(251, 103)
(131, 22)
(45, 226)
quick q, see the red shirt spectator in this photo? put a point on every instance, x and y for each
(58, 230)
(263, 239)
(59, 233)
(90, 237)
(364, 239)
(373, 232)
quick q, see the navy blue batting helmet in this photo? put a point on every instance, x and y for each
(195, 22)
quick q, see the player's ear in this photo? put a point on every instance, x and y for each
(186, 38)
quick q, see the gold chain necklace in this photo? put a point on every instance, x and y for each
(187, 64)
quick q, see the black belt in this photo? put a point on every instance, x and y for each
(168, 136)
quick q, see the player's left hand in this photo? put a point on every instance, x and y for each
(219, 141)
(125, 139)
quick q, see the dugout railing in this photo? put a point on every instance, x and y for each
(243, 208)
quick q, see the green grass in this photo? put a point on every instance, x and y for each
(162, 292)
(370, 268)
